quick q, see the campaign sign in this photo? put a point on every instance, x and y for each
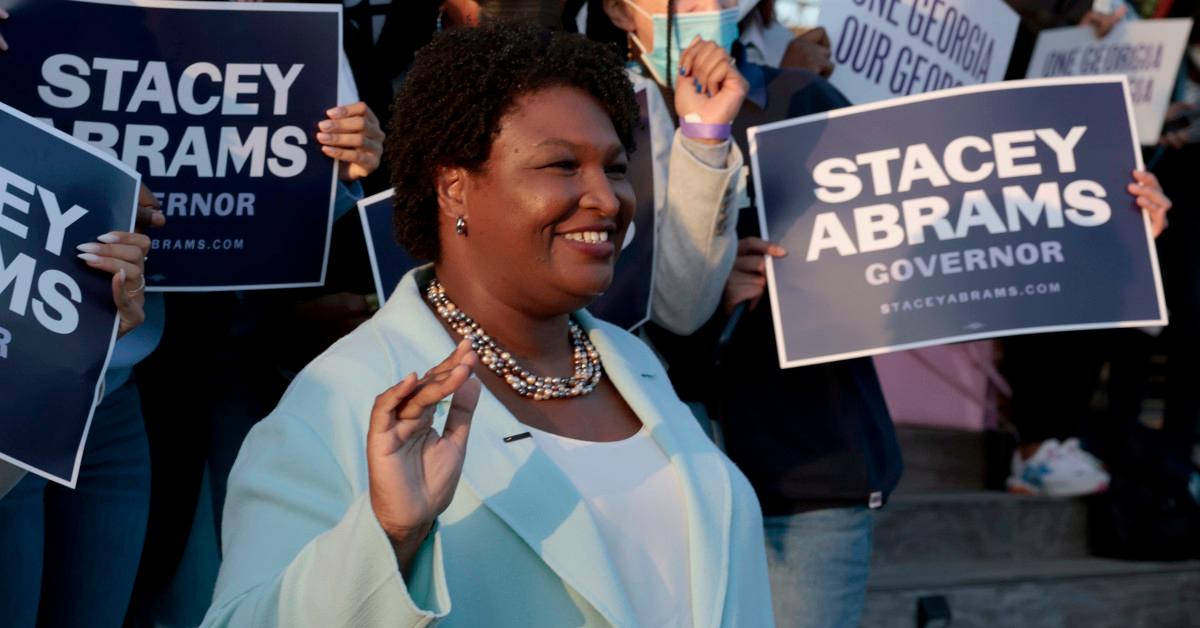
(969, 213)
(889, 48)
(389, 260)
(1148, 52)
(57, 318)
(627, 301)
(216, 104)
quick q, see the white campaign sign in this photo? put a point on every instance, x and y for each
(888, 48)
(1148, 52)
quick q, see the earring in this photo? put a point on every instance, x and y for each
(460, 226)
(441, 12)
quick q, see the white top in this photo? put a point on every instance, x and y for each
(636, 498)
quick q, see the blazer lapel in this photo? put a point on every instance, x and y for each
(704, 475)
(515, 480)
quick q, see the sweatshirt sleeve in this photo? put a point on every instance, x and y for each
(697, 239)
(302, 550)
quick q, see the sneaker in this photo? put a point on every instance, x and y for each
(1074, 447)
(1057, 470)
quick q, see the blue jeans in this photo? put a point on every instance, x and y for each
(818, 563)
(68, 557)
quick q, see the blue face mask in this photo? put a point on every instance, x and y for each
(719, 27)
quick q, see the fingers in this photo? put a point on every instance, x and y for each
(130, 304)
(149, 217)
(751, 264)
(689, 54)
(818, 36)
(365, 158)
(116, 252)
(345, 111)
(133, 272)
(432, 390)
(125, 238)
(455, 358)
(758, 246)
(1146, 178)
(462, 410)
(383, 412)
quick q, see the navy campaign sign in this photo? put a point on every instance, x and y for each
(58, 323)
(627, 301)
(216, 104)
(389, 260)
(969, 213)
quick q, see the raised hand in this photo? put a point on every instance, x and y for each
(414, 470)
(709, 84)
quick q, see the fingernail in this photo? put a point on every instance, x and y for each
(336, 112)
(327, 149)
(698, 87)
(326, 125)
(110, 238)
(88, 257)
(682, 71)
(89, 247)
(121, 275)
(324, 137)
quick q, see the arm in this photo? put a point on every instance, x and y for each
(696, 237)
(302, 550)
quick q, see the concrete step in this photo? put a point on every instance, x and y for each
(940, 461)
(1065, 593)
(978, 525)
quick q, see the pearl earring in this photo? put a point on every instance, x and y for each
(460, 226)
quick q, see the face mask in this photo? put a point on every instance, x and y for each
(719, 27)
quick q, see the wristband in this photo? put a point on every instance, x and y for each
(703, 131)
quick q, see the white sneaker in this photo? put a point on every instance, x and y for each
(1058, 470)
(1073, 446)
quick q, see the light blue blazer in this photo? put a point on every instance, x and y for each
(516, 547)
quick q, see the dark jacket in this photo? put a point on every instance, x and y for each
(810, 437)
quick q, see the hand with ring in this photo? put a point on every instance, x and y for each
(123, 254)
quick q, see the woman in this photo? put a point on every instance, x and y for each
(587, 500)
(70, 555)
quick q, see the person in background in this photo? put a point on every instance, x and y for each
(70, 555)
(242, 348)
(769, 43)
(585, 499)
(817, 442)
(1053, 376)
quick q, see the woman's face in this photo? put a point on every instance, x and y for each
(546, 213)
(631, 21)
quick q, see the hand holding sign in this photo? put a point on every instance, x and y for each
(1101, 22)
(1150, 197)
(748, 280)
(414, 470)
(352, 135)
(123, 255)
(716, 89)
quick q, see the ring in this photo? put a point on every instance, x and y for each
(135, 291)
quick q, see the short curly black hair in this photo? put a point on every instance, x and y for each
(460, 85)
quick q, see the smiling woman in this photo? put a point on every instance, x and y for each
(586, 493)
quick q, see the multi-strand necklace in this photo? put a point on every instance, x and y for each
(588, 368)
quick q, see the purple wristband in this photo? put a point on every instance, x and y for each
(701, 131)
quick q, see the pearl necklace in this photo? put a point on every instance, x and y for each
(588, 368)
